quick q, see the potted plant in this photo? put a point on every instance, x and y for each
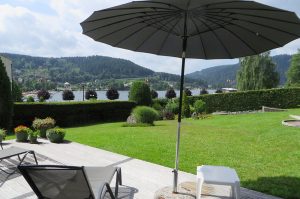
(43, 125)
(56, 135)
(32, 136)
(2, 135)
(22, 133)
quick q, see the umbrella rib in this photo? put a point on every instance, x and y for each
(236, 35)
(221, 42)
(249, 15)
(264, 25)
(199, 34)
(133, 13)
(171, 30)
(249, 30)
(124, 20)
(147, 25)
(158, 2)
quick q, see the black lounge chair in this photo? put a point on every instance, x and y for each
(15, 151)
(69, 182)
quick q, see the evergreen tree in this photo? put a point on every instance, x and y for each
(140, 93)
(293, 74)
(186, 111)
(257, 72)
(16, 92)
(6, 104)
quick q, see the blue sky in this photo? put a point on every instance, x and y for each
(50, 28)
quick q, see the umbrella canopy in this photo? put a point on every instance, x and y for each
(204, 29)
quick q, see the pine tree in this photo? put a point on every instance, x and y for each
(257, 72)
(293, 74)
(6, 103)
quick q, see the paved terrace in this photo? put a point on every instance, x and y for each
(141, 179)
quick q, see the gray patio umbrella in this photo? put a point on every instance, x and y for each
(203, 29)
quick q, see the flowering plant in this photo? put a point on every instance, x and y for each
(22, 129)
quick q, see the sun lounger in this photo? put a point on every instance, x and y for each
(15, 151)
(69, 182)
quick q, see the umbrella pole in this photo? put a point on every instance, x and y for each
(175, 171)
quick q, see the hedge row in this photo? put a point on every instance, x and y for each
(248, 100)
(73, 113)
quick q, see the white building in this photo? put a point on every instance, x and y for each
(7, 65)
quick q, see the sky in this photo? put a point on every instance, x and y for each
(51, 28)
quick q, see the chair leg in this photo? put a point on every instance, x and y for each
(1, 145)
(36, 162)
(118, 182)
(199, 188)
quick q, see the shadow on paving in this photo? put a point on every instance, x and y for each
(281, 186)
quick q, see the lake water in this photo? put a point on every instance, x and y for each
(57, 96)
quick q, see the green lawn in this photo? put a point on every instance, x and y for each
(265, 154)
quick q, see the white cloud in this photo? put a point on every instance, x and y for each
(54, 30)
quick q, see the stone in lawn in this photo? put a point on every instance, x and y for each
(131, 120)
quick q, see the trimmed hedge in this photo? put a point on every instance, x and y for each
(73, 113)
(248, 100)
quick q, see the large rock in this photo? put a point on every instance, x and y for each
(131, 120)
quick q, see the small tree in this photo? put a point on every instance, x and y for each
(6, 103)
(91, 94)
(170, 94)
(68, 95)
(16, 92)
(199, 106)
(188, 92)
(140, 93)
(293, 74)
(112, 94)
(43, 95)
(154, 94)
(186, 111)
(203, 91)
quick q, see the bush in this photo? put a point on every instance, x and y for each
(91, 94)
(16, 92)
(68, 95)
(199, 106)
(172, 106)
(56, 135)
(43, 125)
(170, 94)
(2, 134)
(251, 100)
(73, 113)
(186, 111)
(188, 92)
(157, 106)
(154, 94)
(22, 133)
(203, 91)
(43, 95)
(30, 99)
(112, 94)
(6, 104)
(144, 114)
(140, 93)
(168, 115)
(32, 136)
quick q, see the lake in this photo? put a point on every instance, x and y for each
(57, 96)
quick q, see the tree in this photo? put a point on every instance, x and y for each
(188, 92)
(140, 93)
(112, 94)
(154, 94)
(170, 94)
(68, 95)
(293, 73)
(203, 91)
(6, 103)
(257, 72)
(91, 94)
(16, 92)
(43, 95)
(186, 111)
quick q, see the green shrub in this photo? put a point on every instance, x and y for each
(68, 95)
(168, 115)
(112, 94)
(73, 113)
(56, 135)
(6, 104)
(16, 92)
(2, 134)
(91, 94)
(186, 111)
(172, 106)
(30, 99)
(32, 136)
(144, 114)
(22, 133)
(140, 93)
(199, 106)
(170, 94)
(154, 94)
(157, 106)
(203, 91)
(43, 125)
(43, 95)
(188, 92)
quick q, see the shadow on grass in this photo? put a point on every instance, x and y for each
(281, 186)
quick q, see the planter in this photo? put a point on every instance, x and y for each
(55, 138)
(21, 137)
(32, 140)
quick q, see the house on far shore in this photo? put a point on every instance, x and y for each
(229, 90)
(8, 66)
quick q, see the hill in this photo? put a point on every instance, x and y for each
(225, 75)
(98, 71)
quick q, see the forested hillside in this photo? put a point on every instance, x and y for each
(223, 76)
(98, 71)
